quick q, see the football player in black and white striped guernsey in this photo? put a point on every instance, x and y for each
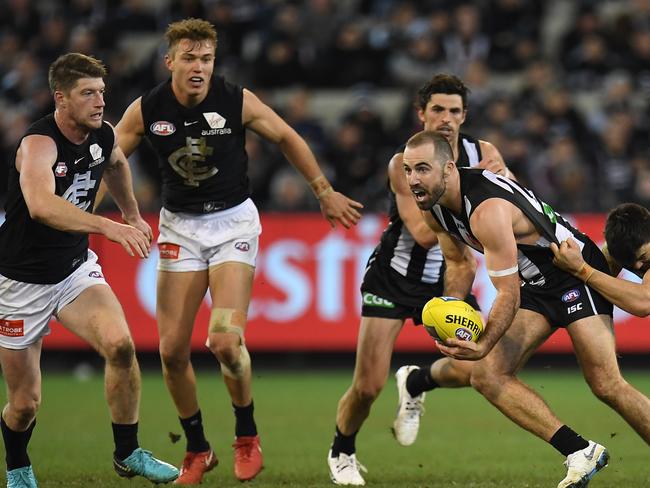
(46, 268)
(514, 230)
(405, 270)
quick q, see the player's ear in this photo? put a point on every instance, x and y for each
(448, 168)
(421, 115)
(168, 61)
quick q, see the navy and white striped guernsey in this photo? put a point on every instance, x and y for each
(399, 250)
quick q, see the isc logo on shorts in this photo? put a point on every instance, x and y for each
(12, 328)
(168, 250)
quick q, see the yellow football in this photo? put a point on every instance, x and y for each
(445, 317)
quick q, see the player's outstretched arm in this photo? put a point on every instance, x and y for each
(119, 183)
(491, 223)
(34, 161)
(408, 210)
(632, 297)
(261, 119)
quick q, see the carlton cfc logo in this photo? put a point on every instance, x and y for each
(162, 128)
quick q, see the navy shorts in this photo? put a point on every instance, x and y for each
(563, 299)
(387, 294)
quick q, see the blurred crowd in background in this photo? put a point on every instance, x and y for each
(561, 87)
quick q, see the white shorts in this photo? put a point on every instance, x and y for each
(189, 242)
(26, 308)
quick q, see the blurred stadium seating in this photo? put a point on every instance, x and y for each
(561, 87)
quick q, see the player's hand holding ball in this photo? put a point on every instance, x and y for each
(447, 317)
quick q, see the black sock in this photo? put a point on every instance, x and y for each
(244, 421)
(193, 427)
(420, 380)
(343, 443)
(567, 441)
(16, 445)
(126, 440)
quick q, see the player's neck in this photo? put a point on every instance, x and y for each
(69, 128)
(454, 147)
(451, 198)
(187, 100)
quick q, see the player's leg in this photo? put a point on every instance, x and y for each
(494, 377)
(595, 346)
(96, 316)
(375, 344)
(231, 285)
(179, 296)
(22, 375)
(412, 384)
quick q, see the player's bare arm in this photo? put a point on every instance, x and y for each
(632, 297)
(128, 134)
(119, 182)
(129, 131)
(408, 210)
(261, 119)
(492, 224)
(34, 161)
(493, 161)
(460, 262)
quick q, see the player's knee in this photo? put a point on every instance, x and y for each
(226, 347)
(174, 360)
(226, 335)
(24, 407)
(120, 352)
(607, 388)
(482, 380)
(368, 391)
(236, 364)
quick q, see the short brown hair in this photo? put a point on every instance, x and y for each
(69, 68)
(192, 29)
(441, 149)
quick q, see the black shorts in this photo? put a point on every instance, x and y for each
(387, 294)
(563, 299)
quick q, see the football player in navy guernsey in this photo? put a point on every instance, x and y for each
(405, 270)
(627, 234)
(46, 268)
(209, 226)
(513, 229)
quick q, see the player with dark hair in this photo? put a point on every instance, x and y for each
(405, 270)
(209, 226)
(513, 229)
(46, 268)
(627, 234)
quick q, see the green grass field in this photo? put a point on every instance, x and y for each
(463, 442)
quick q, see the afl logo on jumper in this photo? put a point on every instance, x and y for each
(95, 274)
(162, 128)
(61, 169)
